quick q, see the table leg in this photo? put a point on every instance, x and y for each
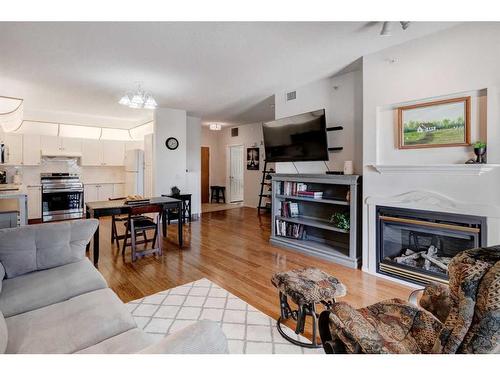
(164, 222)
(179, 225)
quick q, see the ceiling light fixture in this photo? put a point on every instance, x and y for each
(387, 27)
(138, 99)
(215, 126)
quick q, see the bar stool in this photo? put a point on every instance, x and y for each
(217, 192)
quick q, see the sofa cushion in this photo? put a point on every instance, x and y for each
(128, 342)
(37, 247)
(39, 289)
(69, 326)
(3, 334)
(2, 275)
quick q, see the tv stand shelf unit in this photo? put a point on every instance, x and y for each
(317, 235)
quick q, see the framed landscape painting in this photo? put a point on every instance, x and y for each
(442, 123)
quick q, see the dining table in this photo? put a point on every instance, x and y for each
(99, 209)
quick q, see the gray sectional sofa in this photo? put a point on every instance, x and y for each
(53, 300)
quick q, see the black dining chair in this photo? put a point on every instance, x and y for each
(138, 224)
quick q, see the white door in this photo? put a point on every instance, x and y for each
(31, 149)
(236, 173)
(91, 152)
(113, 153)
(34, 202)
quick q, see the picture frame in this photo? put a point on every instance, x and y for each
(253, 158)
(440, 123)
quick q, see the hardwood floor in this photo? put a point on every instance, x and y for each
(230, 248)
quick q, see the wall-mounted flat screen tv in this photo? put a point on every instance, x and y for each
(297, 138)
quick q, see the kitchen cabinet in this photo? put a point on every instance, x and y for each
(113, 153)
(98, 192)
(118, 190)
(103, 153)
(58, 145)
(34, 202)
(31, 149)
(14, 144)
(91, 152)
(90, 193)
(73, 145)
(49, 145)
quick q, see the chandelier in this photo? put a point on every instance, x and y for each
(138, 99)
(215, 127)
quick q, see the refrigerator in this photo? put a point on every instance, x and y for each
(134, 172)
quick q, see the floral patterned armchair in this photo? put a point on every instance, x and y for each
(461, 318)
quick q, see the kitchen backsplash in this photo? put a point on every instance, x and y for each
(31, 174)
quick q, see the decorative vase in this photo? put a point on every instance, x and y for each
(480, 154)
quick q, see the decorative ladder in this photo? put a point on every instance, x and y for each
(263, 184)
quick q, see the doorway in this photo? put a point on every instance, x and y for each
(236, 173)
(205, 174)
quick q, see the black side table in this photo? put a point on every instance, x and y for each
(186, 207)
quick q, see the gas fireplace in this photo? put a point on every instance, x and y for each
(417, 246)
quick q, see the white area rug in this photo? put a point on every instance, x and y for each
(248, 330)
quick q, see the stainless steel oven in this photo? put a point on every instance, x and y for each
(62, 196)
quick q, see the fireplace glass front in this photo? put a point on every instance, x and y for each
(417, 246)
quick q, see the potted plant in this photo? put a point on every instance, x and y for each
(480, 151)
(340, 220)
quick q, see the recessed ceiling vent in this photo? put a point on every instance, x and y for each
(292, 95)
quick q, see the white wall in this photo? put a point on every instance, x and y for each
(458, 61)
(342, 99)
(193, 162)
(169, 166)
(219, 141)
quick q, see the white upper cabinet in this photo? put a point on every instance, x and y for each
(71, 145)
(58, 145)
(113, 153)
(103, 153)
(50, 145)
(14, 143)
(31, 149)
(91, 152)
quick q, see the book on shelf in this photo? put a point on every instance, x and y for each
(291, 188)
(290, 230)
(289, 209)
(316, 194)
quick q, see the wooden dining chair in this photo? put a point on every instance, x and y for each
(114, 220)
(138, 224)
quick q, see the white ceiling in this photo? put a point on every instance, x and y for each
(221, 72)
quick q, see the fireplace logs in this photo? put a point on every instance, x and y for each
(427, 259)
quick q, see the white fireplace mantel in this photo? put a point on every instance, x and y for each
(455, 169)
